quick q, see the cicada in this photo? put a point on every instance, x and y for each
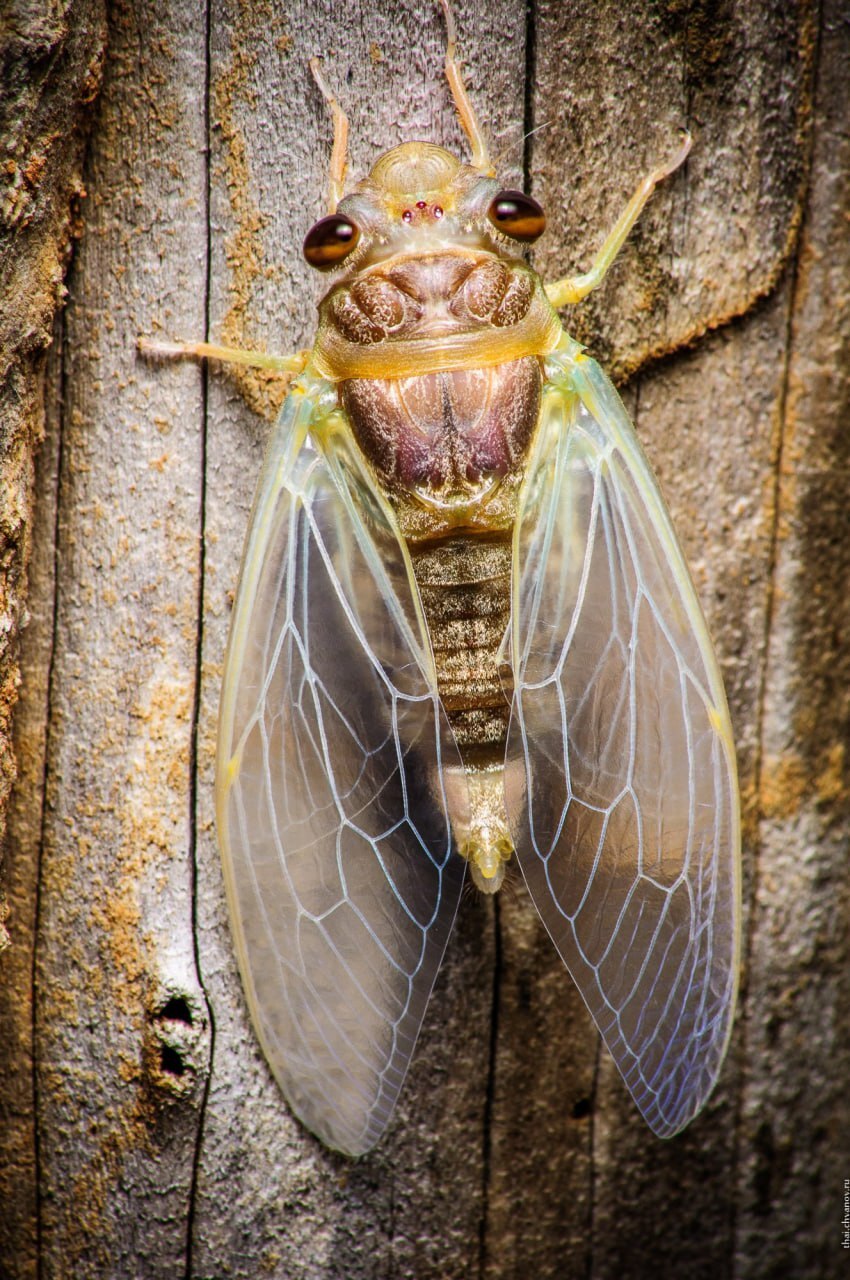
(465, 635)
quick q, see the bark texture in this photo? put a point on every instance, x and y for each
(148, 1138)
(50, 71)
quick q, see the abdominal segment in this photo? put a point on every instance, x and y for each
(464, 584)
(441, 444)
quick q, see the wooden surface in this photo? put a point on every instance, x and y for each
(160, 1146)
(51, 59)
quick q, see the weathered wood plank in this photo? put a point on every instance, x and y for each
(612, 86)
(795, 1119)
(19, 1188)
(50, 64)
(120, 1018)
(515, 1151)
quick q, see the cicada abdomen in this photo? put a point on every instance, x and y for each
(465, 630)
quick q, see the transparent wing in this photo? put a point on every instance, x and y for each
(332, 817)
(627, 821)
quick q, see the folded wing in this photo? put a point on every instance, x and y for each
(627, 826)
(332, 820)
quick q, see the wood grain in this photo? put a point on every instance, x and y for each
(51, 59)
(163, 1146)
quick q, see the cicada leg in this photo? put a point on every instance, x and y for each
(572, 289)
(227, 355)
(339, 152)
(465, 109)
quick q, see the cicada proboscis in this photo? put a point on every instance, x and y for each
(464, 632)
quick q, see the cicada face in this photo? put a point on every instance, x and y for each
(418, 200)
(465, 631)
(432, 278)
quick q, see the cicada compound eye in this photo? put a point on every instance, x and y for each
(517, 215)
(330, 241)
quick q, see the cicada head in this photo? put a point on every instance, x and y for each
(420, 199)
(432, 273)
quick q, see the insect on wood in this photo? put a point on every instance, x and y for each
(465, 635)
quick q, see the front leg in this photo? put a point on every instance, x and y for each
(155, 349)
(572, 289)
